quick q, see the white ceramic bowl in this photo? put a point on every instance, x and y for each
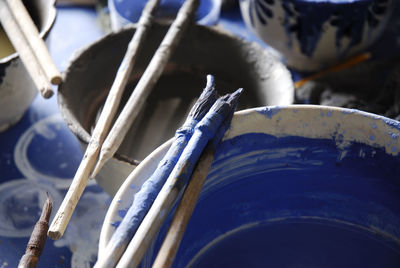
(314, 34)
(17, 89)
(307, 185)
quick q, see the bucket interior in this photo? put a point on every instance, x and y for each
(294, 202)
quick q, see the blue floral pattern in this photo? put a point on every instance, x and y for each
(307, 21)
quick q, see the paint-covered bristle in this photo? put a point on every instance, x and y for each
(232, 102)
(220, 105)
(205, 101)
(234, 97)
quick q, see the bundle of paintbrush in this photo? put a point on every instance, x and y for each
(207, 121)
(107, 137)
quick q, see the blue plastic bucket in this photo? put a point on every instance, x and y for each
(301, 186)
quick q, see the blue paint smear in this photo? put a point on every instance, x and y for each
(115, 224)
(269, 112)
(394, 136)
(392, 123)
(309, 203)
(122, 212)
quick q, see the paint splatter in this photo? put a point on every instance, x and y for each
(270, 111)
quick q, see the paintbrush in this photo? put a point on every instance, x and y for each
(103, 125)
(146, 83)
(177, 180)
(335, 68)
(149, 190)
(177, 228)
(38, 238)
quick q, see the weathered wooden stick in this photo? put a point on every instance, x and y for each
(26, 52)
(167, 252)
(146, 83)
(38, 238)
(149, 190)
(204, 131)
(103, 125)
(31, 34)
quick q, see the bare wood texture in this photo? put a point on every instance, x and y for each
(38, 238)
(147, 82)
(26, 53)
(184, 211)
(103, 125)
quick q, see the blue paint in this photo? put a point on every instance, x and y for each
(150, 189)
(373, 125)
(122, 212)
(115, 224)
(253, 247)
(371, 137)
(270, 111)
(304, 201)
(394, 136)
(392, 123)
(211, 127)
(329, 113)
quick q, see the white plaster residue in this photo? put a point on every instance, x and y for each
(220, 238)
(21, 203)
(82, 235)
(342, 155)
(228, 169)
(52, 131)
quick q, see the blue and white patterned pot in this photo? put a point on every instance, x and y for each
(313, 34)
